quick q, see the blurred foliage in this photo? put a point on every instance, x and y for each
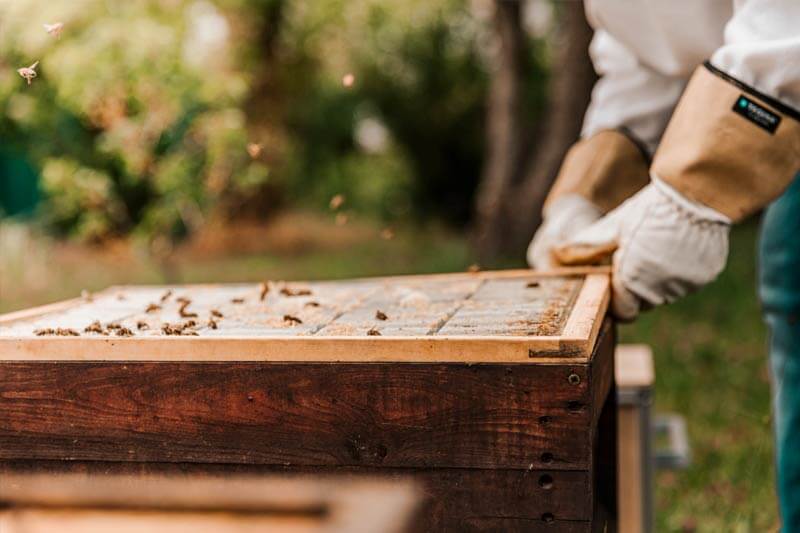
(407, 138)
(135, 117)
(141, 114)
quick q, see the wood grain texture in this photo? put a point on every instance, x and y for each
(401, 415)
(451, 499)
(517, 316)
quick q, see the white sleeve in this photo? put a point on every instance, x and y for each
(762, 48)
(629, 95)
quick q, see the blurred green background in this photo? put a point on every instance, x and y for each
(198, 140)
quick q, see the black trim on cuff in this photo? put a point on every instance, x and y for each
(769, 100)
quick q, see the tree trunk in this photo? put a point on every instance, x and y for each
(504, 126)
(510, 199)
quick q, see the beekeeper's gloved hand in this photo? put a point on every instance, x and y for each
(562, 219)
(664, 246)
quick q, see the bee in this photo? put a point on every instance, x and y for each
(54, 29)
(312, 303)
(254, 150)
(532, 284)
(68, 331)
(380, 315)
(336, 202)
(166, 296)
(237, 300)
(183, 312)
(124, 332)
(212, 323)
(373, 332)
(169, 329)
(94, 327)
(41, 332)
(216, 313)
(286, 291)
(292, 320)
(152, 308)
(28, 72)
(142, 325)
(264, 289)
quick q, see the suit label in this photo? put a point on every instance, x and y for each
(757, 113)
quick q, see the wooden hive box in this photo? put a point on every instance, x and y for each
(494, 391)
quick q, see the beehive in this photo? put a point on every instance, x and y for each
(493, 390)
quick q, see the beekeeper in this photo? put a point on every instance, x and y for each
(694, 125)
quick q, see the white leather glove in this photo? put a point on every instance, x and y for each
(666, 246)
(562, 219)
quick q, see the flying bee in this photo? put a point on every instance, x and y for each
(54, 29)
(28, 72)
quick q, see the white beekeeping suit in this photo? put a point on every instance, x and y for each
(710, 91)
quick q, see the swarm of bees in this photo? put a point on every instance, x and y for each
(191, 322)
(62, 332)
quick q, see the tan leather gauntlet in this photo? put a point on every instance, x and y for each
(728, 146)
(606, 169)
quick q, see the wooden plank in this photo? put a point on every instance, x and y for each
(586, 317)
(387, 415)
(449, 498)
(294, 349)
(604, 441)
(634, 366)
(630, 470)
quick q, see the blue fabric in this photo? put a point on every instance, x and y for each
(779, 289)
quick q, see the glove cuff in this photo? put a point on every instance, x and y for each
(606, 169)
(728, 146)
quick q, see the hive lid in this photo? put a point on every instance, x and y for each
(501, 316)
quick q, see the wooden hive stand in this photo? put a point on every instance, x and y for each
(493, 391)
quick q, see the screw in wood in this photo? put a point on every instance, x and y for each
(574, 379)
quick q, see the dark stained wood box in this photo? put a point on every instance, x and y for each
(493, 390)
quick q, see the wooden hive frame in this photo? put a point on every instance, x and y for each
(574, 343)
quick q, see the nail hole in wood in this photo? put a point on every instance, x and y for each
(382, 451)
(544, 420)
(546, 481)
(547, 457)
(548, 518)
(574, 406)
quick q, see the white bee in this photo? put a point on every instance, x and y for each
(54, 29)
(254, 150)
(28, 72)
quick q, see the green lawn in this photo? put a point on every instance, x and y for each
(710, 350)
(711, 366)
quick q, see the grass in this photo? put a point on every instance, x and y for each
(711, 367)
(710, 348)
